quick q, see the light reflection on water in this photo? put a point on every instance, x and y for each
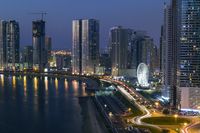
(25, 85)
(46, 83)
(2, 80)
(33, 104)
(35, 85)
(14, 82)
(66, 85)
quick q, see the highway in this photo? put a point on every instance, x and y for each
(146, 113)
(142, 103)
(133, 96)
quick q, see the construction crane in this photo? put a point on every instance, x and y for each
(40, 13)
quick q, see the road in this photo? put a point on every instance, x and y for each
(129, 95)
(146, 113)
(192, 128)
(133, 96)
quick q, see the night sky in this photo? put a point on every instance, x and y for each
(136, 14)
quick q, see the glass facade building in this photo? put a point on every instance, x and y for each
(27, 57)
(119, 49)
(39, 51)
(12, 45)
(189, 53)
(9, 45)
(2, 44)
(85, 46)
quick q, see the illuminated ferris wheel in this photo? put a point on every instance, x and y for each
(143, 75)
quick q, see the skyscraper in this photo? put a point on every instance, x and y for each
(147, 53)
(27, 57)
(48, 48)
(119, 49)
(85, 47)
(161, 47)
(2, 44)
(189, 53)
(167, 51)
(136, 48)
(170, 52)
(144, 51)
(77, 46)
(39, 51)
(9, 45)
(12, 45)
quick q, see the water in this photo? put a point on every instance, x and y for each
(42, 105)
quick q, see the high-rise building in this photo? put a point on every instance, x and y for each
(2, 44)
(27, 57)
(148, 51)
(105, 62)
(136, 48)
(77, 46)
(85, 47)
(119, 49)
(12, 45)
(181, 58)
(144, 51)
(9, 45)
(131, 50)
(48, 48)
(39, 51)
(161, 47)
(61, 60)
(170, 52)
(167, 51)
(189, 53)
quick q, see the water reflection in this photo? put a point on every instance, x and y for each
(56, 83)
(35, 84)
(75, 84)
(46, 83)
(2, 80)
(25, 85)
(14, 82)
(84, 85)
(33, 102)
(66, 84)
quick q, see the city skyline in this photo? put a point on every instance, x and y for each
(90, 66)
(132, 16)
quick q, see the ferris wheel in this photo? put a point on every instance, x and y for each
(143, 75)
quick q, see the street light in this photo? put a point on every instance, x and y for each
(175, 116)
(110, 114)
(156, 103)
(185, 124)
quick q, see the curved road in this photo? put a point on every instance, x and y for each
(195, 126)
(146, 113)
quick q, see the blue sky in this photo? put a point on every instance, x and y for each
(136, 14)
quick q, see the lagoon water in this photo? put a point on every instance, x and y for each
(42, 105)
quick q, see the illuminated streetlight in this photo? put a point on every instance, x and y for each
(175, 116)
(156, 103)
(110, 114)
(185, 124)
